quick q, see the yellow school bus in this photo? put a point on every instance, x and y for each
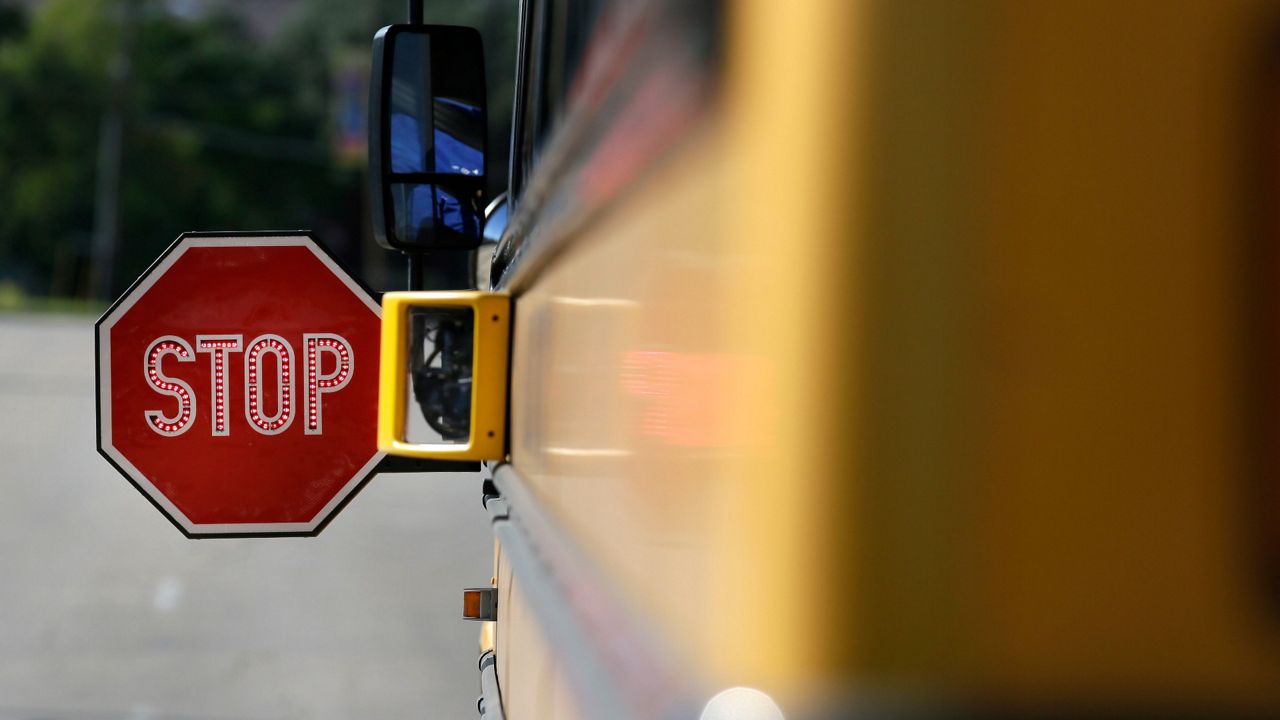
(889, 358)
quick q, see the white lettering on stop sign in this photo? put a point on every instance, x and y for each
(219, 346)
(319, 382)
(180, 421)
(328, 365)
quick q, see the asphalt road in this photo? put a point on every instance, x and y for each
(107, 612)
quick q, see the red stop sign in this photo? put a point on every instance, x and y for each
(238, 384)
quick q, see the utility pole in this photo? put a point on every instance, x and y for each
(106, 208)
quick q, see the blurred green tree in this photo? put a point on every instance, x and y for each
(49, 111)
(221, 129)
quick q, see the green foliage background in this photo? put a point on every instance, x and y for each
(222, 129)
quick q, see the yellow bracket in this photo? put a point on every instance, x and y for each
(492, 315)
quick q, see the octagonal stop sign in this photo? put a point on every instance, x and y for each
(238, 383)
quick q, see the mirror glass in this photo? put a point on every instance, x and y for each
(422, 211)
(435, 129)
(495, 220)
(441, 341)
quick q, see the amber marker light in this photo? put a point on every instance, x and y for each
(480, 603)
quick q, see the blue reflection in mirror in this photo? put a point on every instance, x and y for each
(435, 137)
(458, 137)
(410, 122)
(406, 148)
(420, 208)
(452, 154)
(430, 133)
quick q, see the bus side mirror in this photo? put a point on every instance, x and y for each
(427, 130)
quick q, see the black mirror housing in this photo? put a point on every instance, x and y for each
(427, 137)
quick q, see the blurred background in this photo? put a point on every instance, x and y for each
(126, 122)
(122, 124)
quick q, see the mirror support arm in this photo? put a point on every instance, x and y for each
(415, 12)
(417, 271)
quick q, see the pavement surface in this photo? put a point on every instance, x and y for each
(107, 612)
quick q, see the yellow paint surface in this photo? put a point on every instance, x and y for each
(920, 370)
